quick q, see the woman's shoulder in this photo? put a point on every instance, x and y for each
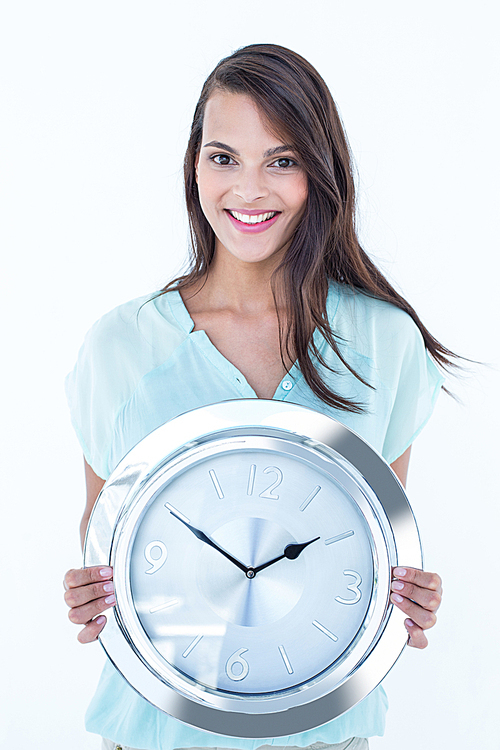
(355, 304)
(367, 323)
(127, 343)
(119, 321)
(145, 326)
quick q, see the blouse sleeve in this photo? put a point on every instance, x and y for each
(416, 382)
(106, 372)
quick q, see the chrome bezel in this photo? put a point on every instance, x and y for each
(261, 424)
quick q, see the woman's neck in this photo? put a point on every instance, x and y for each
(231, 284)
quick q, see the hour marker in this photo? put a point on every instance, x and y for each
(310, 497)
(218, 489)
(285, 658)
(324, 630)
(251, 479)
(165, 605)
(339, 537)
(177, 513)
(192, 645)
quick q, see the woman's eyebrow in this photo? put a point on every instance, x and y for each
(267, 154)
(223, 146)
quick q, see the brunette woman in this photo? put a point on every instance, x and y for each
(280, 301)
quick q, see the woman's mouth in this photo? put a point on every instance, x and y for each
(254, 222)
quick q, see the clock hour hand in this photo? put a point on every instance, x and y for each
(291, 552)
(204, 538)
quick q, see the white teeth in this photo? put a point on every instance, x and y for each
(257, 219)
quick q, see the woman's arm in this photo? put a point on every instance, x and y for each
(94, 485)
(400, 466)
(89, 591)
(415, 592)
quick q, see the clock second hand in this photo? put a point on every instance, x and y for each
(204, 538)
(291, 552)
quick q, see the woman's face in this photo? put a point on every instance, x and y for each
(252, 189)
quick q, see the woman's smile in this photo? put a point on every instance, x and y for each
(252, 222)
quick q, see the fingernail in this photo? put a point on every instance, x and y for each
(396, 586)
(394, 597)
(111, 599)
(100, 620)
(400, 572)
(410, 623)
(106, 572)
(110, 587)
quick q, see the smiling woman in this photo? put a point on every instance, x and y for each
(281, 302)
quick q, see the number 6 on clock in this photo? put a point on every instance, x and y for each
(236, 660)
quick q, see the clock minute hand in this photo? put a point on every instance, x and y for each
(291, 552)
(204, 538)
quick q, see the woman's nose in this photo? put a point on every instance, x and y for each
(250, 185)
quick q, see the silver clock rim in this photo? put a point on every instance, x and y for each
(398, 539)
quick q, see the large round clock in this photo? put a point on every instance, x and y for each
(252, 543)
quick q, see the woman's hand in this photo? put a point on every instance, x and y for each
(418, 595)
(89, 591)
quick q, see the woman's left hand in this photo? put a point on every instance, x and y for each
(418, 595)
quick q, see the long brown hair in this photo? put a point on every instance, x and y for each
(299, 108)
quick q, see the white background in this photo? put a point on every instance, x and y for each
(96, 101)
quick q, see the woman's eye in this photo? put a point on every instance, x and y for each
(222, 159)
(284, 163)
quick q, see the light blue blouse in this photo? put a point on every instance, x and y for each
(142, 364)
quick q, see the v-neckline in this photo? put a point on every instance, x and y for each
(284, 388)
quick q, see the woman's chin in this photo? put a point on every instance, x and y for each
(249, 255)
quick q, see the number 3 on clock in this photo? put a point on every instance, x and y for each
(354, 587)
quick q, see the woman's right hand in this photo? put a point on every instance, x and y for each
(89, 591)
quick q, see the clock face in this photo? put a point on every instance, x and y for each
(252, 543)
(259, 630)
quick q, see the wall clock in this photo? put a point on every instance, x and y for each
(252, 543)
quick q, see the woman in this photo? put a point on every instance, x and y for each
(280, 302)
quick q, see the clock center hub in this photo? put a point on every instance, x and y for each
(250, 599)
